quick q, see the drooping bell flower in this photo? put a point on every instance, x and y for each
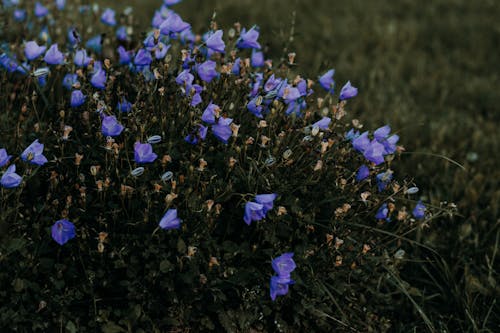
(363, 173)
(98, 79)
(222, 130)
(419, 211)
(4, 157)
(284, 265)
(70, 80)
(323, 123)
(253, 212)
(278, 287)
(62, 231)
(348, 91)
(143, 58)
(124, 56)
(10, 179)
(210, 113)
(173, 23)
(207, 71)
(326, 81)
(170, 220)
(267, 200)
(81, 59)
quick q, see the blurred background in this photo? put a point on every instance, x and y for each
(431, 70)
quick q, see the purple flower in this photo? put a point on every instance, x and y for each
(208, 115)
(326, 81)
(381, 133)
(419, 211)
(69, 80)
(253, 212)
(108, 17)
(348, 91)
(383, 179)
(40, 10)
(53, 56)
(95, 43)
(73, 36)
(215, 42)
(323, 123)
(34, 154)
(248, 39)
(390, 144)
(171, 2)
(383, 213)
(266, 200)
(121, 34)
(10, 179)
(254, 108)
(111, 126)
(62, 231)
(278, 287)
(173, 23)
(361, 142)
(8, 63)
(4, 158)
(271, 83)
(199, 133)
(257, 59)
(374, 152)
(284, 265)
(81, 59)
(161, 50)
(143, 58)
(363, 173)
(143, 153)
(125, 57)
(124, 105)
(19, 15)
(60, 4)
(236, 66)
(98, 79)
(207, 71)
(170, 220)
(222, 130)
(77, 98)
(185, 79)
(33, 51)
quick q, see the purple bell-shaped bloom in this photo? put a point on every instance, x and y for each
(121, 34)
(143, 58)
(374, 152)
(108, 17)
(4, 157)
(361, 143)
(278, 287)
(248, 39)
(215, 42)
(81, 59)
(326, 81)
(382, 213)
(161, 50)
(173, 23)
(322, 124)
(419, 211)
(348, 91)
(143, 153)
(34, 154)
(69, 80)
(254, 108)
(222, 130)
(284, 265)
(10, 179)
(124, 105)
(77, 98)
(267, 200)
(111, 126)
(207, 70)
(170, 220)
(33, 51)
(381, 133)
(62, 231)
(363, 173)
(53, 56)
(383, 179)
(257, 59)
(124, 56)
(209, 114)
(19, 15)
(253, 212)
(40, 10)
(98, 79)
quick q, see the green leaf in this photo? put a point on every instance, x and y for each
(111, 327)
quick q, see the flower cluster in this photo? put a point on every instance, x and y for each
(283, 266)
(256, 211)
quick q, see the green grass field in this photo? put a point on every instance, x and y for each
(431, 70)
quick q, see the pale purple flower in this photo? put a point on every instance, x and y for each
(81, 58)
(284, 265)
(248, 39)
(323, 123)
(143, 58)
(267, 200)
(34, 154)
(419, 211)
(108, 17)
(77, 98)
(253, 212)
(278, 287)
(326, 81)
(348, 91)
(257, 59)
(98, 79)
(4, 157)
(111, 126)
(170, 220)
(62, 231)
(215, 42)
(209, 114)
(143, 153)
(40, 10)
(124, 56)
(363, 173)
(10, 179)
(173, 23)
(382, 213)
(207, 71)
(32, 50)
(222, 130)
(53, 56)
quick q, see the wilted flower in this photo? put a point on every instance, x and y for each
(108, 17)
(33, 51)
(215, 42)
(170, 220)
(326, 81)
(53, 56)
(10, 179)
(77, 98)
(143, 153)
(419, 211)
(348, 91)
(248, 39)
(207, 70)
(4, 158)
(34, 154)
(62, 231)
(111, 126)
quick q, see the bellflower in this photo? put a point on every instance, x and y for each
(143, 58)
(390, 144)
(8, 63)
(40, 10)
(170, 220)
(69, 80)
(222, 130)
(323, 123)
(248, 39)
(381, 133)
(207, 71)
(185, 79)
(34, 154)
(374, 152)
(209, 114)
(361, 143)
(77, 98)
(53, 56)
(326, 81)
(278, 287)
(383, 179)
(143, 153)
(60, 4)
(124, 56)
(419, 211)
(124, 105)
(73, 36)
(19, 15)
(352, 134)
(4, 158)
(10, 179)
(111, 126)
(267, 201)
(121, 34)
(33, 51)
(257, 59)
(284, 265)
(199, 133)
(215, 42)
(271, 83)
(253, 212)
(173, 23)
(254, 108)
(348, 91)
(363, 173)
(81, 59)
(382, 213)
(98, 79)
(235, 69)
(161, 50)
(95, 43)
(108, 17)
(62, 231)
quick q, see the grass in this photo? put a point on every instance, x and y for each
(430, 70)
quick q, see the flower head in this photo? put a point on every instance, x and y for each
(419, 211)
(284, 265)
(10, 179)
(124, 105)
(363, 173)
(34, 154)
(257, 59)
(124, 56)
(81, 58)
(207, 71)
(108, 17)
(111, 126)
(215, 42)
(53, 56)
(253, 212)
(143, 153)
(278, 287)
(222, 130)
(33, 51)
(323, 123)
(383, 213)
(40, 10)
(383, 179)
(62, 231)
(143, 58)
(4, 157)
(266, 200)
(170, 220)
(248, 39)
(98, 79)
(77, 98)
(173, 23)
(326, 81)
(348, 91)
